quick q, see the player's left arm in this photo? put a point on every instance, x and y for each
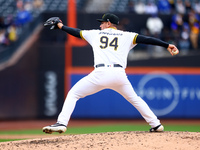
(154, 41)
(73, 31)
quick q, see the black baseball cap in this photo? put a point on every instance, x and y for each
(109, 17)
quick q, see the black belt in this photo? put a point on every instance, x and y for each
(103, 65)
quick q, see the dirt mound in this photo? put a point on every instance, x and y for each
(111, 141)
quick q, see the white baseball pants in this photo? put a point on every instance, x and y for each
(106, 78)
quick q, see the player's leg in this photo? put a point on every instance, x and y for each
(81, 89)
(127, 91)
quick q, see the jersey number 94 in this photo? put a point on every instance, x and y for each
(105, 42)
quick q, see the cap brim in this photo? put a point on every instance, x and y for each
(100, 20)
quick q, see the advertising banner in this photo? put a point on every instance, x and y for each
(168, 95)
(51, 81)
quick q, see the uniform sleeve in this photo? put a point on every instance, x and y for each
(85, 34)
(150, 40)
(134, 39)
(81, 34)
(88, 35)
(73, 31)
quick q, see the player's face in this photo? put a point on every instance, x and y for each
(104, 25)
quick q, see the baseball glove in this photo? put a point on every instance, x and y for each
(53, 21)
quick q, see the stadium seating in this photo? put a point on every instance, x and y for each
(7, 7)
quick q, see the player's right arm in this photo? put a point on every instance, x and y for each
(72, 31)
(150, 40)
(154, 41)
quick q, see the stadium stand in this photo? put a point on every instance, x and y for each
(9, 10)
(119, 6)
(103, 6)
(7, 7)
(14, 29)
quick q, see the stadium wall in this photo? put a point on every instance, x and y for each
(35, 86)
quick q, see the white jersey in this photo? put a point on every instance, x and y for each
(110, 46)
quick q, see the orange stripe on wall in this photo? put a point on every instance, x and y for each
(80, 70)
(142, 70)
(171, 70)
(72, 41)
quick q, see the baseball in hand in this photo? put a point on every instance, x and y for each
(175, 52)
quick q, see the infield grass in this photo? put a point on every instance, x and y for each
(103, 128)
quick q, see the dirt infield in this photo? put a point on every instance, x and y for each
(131, 140)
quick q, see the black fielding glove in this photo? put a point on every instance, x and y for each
(53, 21)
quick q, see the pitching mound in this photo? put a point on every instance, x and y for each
(112, 141)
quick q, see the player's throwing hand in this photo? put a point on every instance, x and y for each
(173, 49)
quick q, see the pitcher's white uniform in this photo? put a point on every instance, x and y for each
(110, 46)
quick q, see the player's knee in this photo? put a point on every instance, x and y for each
(73, 95)
(134, 99)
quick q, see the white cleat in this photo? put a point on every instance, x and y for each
(60, 128)
(158, 128)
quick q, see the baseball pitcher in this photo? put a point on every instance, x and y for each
(110, 48)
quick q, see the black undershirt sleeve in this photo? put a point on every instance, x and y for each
(150, 40)
(73, 31)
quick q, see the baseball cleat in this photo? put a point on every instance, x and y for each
(158, 128)
(60, 128)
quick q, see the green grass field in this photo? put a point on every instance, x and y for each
(100, 129)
